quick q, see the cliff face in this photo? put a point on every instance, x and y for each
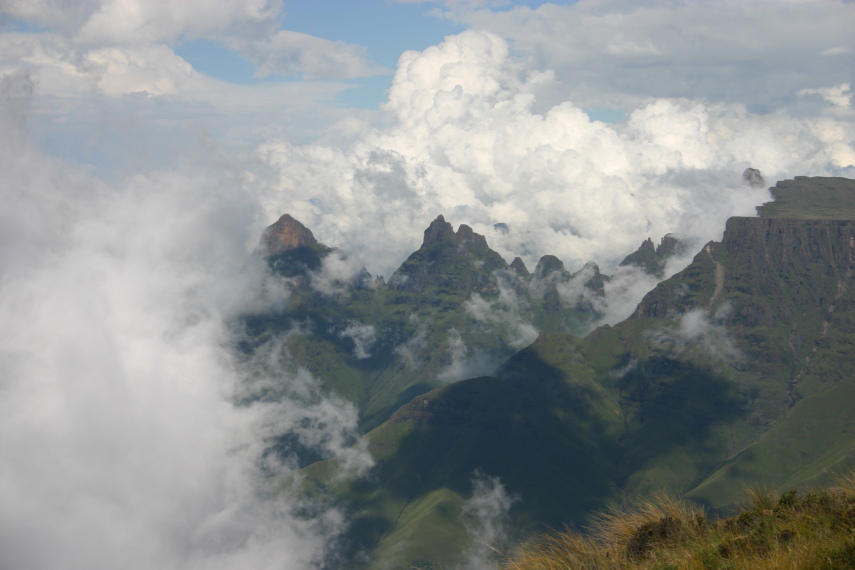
(780, 263)
(775, 297)
(772, 241)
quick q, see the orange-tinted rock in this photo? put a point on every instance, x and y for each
(287, 233)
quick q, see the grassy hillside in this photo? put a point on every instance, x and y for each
(788, 531)
(430, 448)
(736, 371)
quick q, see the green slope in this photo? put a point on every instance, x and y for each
(430, 448)
(736, 371)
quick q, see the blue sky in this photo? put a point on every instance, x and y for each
(385, 28)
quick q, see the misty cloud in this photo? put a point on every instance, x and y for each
(485, 515)
(700, 330)
(464, 362)
(505, 314)
(120, 441)
(363, 337)
(409, 349)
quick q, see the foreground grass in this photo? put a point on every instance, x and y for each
(790, 531)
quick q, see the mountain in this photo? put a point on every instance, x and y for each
(735, 371)
(652, 258)
(453, 309)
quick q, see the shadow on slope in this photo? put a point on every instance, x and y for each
(559, 442)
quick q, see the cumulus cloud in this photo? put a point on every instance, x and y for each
(466, 141)
(120, 441)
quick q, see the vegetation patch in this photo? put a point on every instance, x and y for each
(788, 531)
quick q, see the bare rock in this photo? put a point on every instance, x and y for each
(285, 234)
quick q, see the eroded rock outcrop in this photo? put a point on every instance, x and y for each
(652, 259)
(283, 235)
(459, 262)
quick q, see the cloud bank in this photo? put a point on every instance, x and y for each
(120, 442)
(619, 53)
(466, 141)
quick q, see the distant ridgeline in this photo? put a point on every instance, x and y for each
(454, 308)
(738, 370)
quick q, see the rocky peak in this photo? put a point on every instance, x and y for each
(519, 267)
(646, 246)
(468, 239)
(283, 235)
(652, 259)
(460, 262)
(753, 178)
(547, 265)
(439, 231)
(596, 282)
(670, 245)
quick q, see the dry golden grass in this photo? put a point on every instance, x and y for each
(786, 532)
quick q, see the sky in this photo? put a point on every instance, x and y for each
(145, 144)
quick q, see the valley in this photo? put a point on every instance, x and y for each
(734, 371)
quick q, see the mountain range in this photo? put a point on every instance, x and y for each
(735, 371)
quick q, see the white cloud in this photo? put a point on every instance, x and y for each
(146, 22)
(127, 44)
(462, 362)
(485, 515)
(142, 22)
(839, 95)
(119, 441)
(363, 337)
(617, 53)
(465, 141)
(838, 50)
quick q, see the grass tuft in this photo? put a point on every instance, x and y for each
(790, 531)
